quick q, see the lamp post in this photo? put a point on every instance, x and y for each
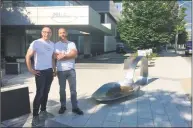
(176, 37)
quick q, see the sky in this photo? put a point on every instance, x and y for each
(188, 6)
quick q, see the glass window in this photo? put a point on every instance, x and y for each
(47, 3)
(102, 17)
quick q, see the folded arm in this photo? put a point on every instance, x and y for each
(71, 55)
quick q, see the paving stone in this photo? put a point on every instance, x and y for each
(179, 124)
(186, 116)
(117, 108)
(181, 101)
(64, 118)
(93, 123)
(95, 120)
(79, 120)
(156, 95)
(18, 125)
(143, 100)
(161, 120)
(51, 123)
(157, 108)
(98, 116)
(144, 111)
(165, 97)
(132, 105)
(171, 109)
(54, 110)
(114, 116)
(110, 124)
(153, 99)
(177, 120)
(2, 125)
(127, 124)
(129, 119)
(144, 108)
(160, 117)
(161, 123)
(145, 122)
(189, 123)
(183, 108)
(102, 110)
(129, 112)
(146, 115)
(17, 120)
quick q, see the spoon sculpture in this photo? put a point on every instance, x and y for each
(131, 83)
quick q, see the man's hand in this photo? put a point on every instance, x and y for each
(34, 72)
(60, 56)
(54, 74)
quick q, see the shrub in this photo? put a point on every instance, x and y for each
(152, 55)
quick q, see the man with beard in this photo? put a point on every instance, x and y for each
(65, 53)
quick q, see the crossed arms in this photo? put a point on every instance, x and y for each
(71, 55)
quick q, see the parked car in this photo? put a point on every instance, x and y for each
(188, 48)
(120, 48)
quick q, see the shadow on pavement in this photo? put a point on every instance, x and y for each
(99, 114)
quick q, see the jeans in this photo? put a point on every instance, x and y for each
(43, 83)
(69, 75)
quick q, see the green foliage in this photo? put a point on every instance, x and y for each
(150, 24)
(150, 57)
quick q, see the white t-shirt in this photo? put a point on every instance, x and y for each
(61, 47)
(43, 54)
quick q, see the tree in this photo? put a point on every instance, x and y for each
(148, 24)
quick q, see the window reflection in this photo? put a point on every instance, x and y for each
(52, 3)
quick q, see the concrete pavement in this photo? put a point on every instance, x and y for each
(160, 103)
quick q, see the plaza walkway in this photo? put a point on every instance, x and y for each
(161, 103)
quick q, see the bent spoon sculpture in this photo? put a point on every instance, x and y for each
(115, 90)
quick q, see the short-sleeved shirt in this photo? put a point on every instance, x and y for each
(43, 54)
(65, 47)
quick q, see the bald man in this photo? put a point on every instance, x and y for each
(44, 70)
(65, 53)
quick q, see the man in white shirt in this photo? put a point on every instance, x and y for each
(65, 53)
(44, 66)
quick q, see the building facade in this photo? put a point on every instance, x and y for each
(90, 24)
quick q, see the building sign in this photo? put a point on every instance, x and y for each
(62, 17)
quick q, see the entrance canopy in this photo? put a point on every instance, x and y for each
(81, 18)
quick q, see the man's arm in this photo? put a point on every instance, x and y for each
(71, 55)
(28, 56)
(54, 62)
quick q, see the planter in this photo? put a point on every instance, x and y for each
(14, 102)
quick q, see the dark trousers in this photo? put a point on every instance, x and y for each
(69, 75)
(43, 83)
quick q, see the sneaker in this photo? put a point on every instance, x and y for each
(62, 110)
(43, 114)
(35, 121)
(77, 111)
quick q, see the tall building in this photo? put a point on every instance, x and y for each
(90, 24)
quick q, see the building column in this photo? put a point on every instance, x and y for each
(87, 46)
(105, 37)
(54, 35)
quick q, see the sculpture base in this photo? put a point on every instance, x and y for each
(112, 91)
